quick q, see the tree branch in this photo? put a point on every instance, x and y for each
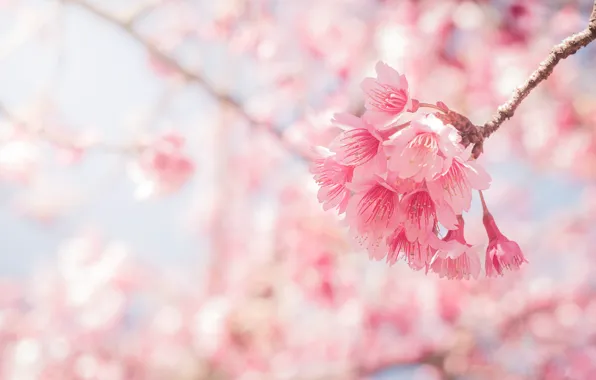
(65, 141)
(223, 98)
(567, 47)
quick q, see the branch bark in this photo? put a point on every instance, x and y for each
(567, 47)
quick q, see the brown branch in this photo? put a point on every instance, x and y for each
(567, 47)
(189, 75)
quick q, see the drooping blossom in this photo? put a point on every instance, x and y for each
(373, 209)
(501, 252)
(332, 178)
(424, 149)
(421, 215)
(415, 253)
(359, 142)
(387, 96)
(455, 186)
(456, 259)
(162, 167)
(399, 184)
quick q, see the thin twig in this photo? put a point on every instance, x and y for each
(62, 141)
(141, 12)
(568, 47)
(223, 98)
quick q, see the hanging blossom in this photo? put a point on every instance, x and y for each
(424, 149)
(399, 185)
(332, 178)
(359, 143)
(387, 96)
(501, 252)
(456, 259)
(372, 212)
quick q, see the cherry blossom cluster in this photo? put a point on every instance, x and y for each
(401, 183)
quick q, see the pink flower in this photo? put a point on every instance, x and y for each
(358, 144)
(424, 149)
(162, 167)
(332, 178)
(420, 215)
(373, 207)
(456, 259)
(455, 186)
(501, 252)
(416, 254)
(387, 96)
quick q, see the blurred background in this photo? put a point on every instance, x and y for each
(159, 220)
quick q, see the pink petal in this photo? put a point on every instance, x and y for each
(327, 202)
(347, 121)
(397, 143)
(431, 169)
(478, 177)
(405, 165)
(355, 147)
(368, 84)
(434, 241)
(403, 82)
(474, 262)
(447, 162)
(342, 207)
(435, 189)
(360, 184)
(453, 249)
(376, 166)
(466, 153)
(387, 74)
(380, 120)
(446, 216)
(322, 151)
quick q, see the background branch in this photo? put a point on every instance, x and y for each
(64, 141)
(223, 98)
(567, 47)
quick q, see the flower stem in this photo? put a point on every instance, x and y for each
(484, 207)
(428, 105)
(390, 131)
(567, 47)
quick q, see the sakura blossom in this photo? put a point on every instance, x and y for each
(332, 177)
(501, 252)
(387, 96)
(415, 252)
(359, 143)
(455, 186)
(297, 190)
(374, 206)
(456, 259)
(423, 180)
(423, 149)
